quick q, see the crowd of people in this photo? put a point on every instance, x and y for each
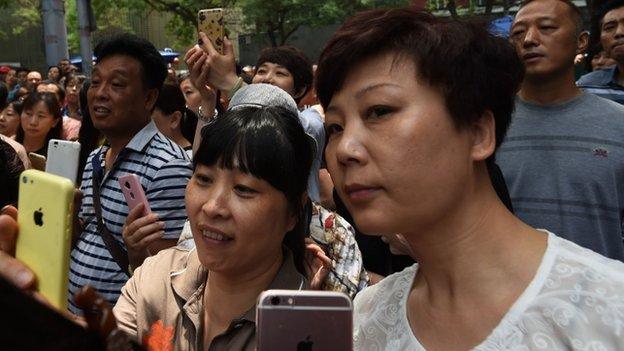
(465, 190)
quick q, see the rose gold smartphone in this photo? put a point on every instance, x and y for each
(133, 192)
(304, 321)
(210, 21)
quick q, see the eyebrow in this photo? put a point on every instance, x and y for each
(370, 88)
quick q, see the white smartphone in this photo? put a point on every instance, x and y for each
(304, 320)
(62, 158)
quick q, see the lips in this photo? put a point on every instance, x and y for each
(530, 56)
(360, 192)
(101, 111)
(214, 235)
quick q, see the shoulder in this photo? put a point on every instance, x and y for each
(164, 149)
(311, 120)
(606, 106)
(390, 290)
(159, 267)
(581, 297)
(379, 319)
(598, 77)
(591, 266)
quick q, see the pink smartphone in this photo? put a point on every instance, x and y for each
(133, 192)
(304, 320)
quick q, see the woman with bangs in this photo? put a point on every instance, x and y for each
(40, 121)
(245, 205)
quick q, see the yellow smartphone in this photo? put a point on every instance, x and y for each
(210, 21)
(45, 213)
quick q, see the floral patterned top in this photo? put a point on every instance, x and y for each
(574, 302)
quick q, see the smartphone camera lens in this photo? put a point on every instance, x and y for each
(24, 180)
(275, 301)
(127, 184)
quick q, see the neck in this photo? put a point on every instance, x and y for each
(179, 139)
(549, 90)
(119, 141)
(481, 245)
(228, 296)
(33, 144)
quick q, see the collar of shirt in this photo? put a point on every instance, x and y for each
(188, 283)
(614, 73)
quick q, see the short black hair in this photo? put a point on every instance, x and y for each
(21, 69)
(154, 68)
(61, 89)
(577, 15)
(474, 70)
(268, 143)
(607, 7)
(170, 99)
(295, 61)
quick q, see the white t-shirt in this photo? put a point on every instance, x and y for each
(574, 302)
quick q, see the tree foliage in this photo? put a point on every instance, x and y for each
(279, 19)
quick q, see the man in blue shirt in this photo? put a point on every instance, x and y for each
(609, 83)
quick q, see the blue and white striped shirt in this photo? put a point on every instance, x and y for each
(604, 83)
(164, 169)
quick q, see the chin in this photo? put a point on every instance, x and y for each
(374, 223)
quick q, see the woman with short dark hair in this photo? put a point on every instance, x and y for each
(415, 107)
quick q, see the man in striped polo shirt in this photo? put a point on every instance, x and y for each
(609, 83)
(563, 157)
(125, 84)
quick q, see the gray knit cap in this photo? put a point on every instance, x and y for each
(262, 95)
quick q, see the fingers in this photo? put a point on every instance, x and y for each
(8, 232)
(207, 45)
(135, 214)
(97, 311)
(228, 48)
(9, 210)
(16, 272)
(141, 228)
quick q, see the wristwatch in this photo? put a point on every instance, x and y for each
(204, 118)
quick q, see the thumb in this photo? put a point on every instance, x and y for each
(228, 48)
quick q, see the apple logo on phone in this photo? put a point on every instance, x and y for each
(38, 216)
(305, 345)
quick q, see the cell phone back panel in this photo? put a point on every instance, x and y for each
(45, 211)
(312, 321)
(63, 158)
(211, 22)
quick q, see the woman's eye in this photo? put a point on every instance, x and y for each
(332, 129)
(244, 190)
(203, 179)
(378, 111)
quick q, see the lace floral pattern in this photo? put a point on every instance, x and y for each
(575, 302)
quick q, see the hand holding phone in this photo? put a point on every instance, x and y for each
(210, 22)
(133, 192)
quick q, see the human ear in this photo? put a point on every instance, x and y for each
(175, 120)
(483, 136)
(150, 99)
(582, 42)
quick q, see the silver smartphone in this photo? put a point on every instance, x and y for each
(63, 158)
(304, 321)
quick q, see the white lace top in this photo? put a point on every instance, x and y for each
(574, 302)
